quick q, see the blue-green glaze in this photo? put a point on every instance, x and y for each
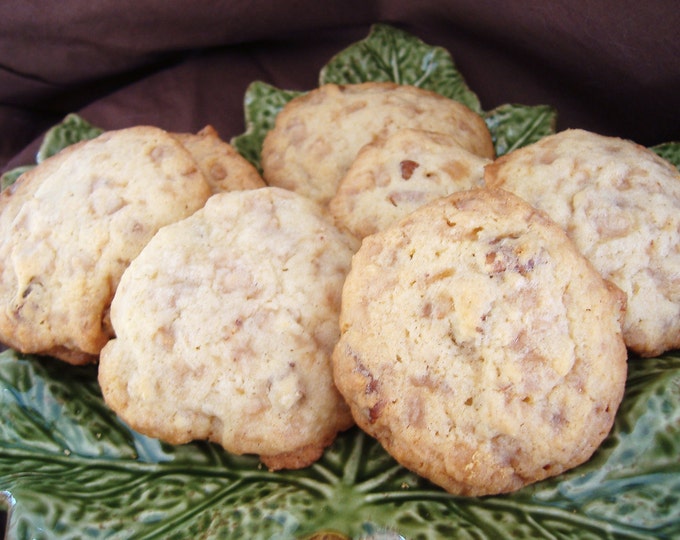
(73, 470)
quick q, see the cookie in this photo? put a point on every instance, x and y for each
(620, 204)
(222, 166)
(397, 173)
(225, 324)
(479, 346)
(70, 226)
(316, 136)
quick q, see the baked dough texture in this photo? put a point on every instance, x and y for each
(222, 166)
(225, 324)
(620, 204)
(316, 136)
(479, 346)
(70, 226)
(397, 173)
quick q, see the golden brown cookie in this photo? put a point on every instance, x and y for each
(620, 204)
(69, 227)
(222, 166)
(400, 172)
(225, 324)
(317, 135)
(479, 346)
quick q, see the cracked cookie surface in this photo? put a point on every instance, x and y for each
(620, 204)
(317, 135)
(225, 324)
(223, 167)
(398, 173)
(479, 346)
(70, 227)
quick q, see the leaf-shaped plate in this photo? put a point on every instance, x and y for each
(261, 105)
(9, 177)
(72, 129)
(390, 54)
(670, 151)
(69, 468)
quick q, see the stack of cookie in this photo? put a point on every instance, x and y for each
(487, 315)
(472, 314)
(211, 305)
(71, 226)
(317, 136)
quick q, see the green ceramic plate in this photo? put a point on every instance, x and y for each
(69, 468)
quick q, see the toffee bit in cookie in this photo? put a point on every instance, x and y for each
(224, 328)
(70, 227)
(406, 167)
(318, 135)
(498, 377)
(399, 172)
(620, 204)
(222, 166)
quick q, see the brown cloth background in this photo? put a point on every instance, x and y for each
(612, 66)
